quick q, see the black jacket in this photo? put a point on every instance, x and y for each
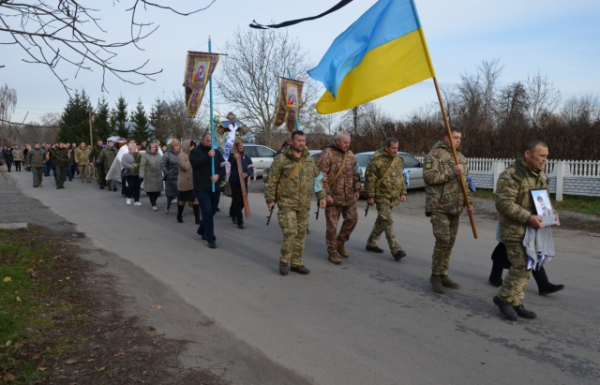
(201, 164)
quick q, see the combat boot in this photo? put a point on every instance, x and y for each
(399, 255)
(447, 282)
(342, 250)
(300, 269)
(333, 258)
(506, 308)
(436, 284)
(496, 276)
(522, 312)
(284, 268)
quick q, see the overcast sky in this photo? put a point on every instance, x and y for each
(561, 39)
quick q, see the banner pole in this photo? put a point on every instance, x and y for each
(462, 179)
(212, 125)
(297, 120)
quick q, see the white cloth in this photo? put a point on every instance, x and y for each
(539, 246)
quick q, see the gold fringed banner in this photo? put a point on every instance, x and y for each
(199, 68)
(290, 94)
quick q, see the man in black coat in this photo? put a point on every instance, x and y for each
(204, 180)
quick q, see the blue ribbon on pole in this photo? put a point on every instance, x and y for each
(212, 125)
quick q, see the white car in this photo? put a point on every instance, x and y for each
(413, 167)
(262, 156)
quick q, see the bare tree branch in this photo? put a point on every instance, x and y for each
(68, 31)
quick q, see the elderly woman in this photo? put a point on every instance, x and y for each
(185, 182)
(131, 174)
(170, 169)
(151, 174)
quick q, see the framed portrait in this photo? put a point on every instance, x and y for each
(201, 68)
(291, 95)
(543, 206)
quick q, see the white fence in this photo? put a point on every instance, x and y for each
(566, 177)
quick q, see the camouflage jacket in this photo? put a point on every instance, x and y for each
(347, 183)
(513, 199)
(107, 157)
(443, 190)
(59, 157)
(36, 157)
(298, 191)
(393, 186)
(82, 156)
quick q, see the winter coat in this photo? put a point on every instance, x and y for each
(17, 154)
(202, 169)
(82, 156)
(443, 190)
(170, 169)
(128, 160)
(393, 186)
(185, 178)
(36, 157)
(107, 157)
(150, 171)
(299, 189)
(234, 177)
(347, 183)
(514, 201)
(8, 156)
(59, 157)
(95, 153)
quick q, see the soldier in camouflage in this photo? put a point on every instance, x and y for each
(82, 158)
(516, 211)
(99, 166)
(444, 204)
(341, 183)
(59, 156)
(293, 199)
(385, 186)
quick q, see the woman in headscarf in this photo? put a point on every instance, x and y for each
(170, 169)
(150, 172)
(131, 174)
(236, 180)
(185, 182)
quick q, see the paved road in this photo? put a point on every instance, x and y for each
(370, 320)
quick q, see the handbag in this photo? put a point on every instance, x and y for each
(126, 172)
(227, 190)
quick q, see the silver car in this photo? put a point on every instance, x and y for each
(413, 167)
(262, 156)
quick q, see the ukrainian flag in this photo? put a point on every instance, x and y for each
(382, 52)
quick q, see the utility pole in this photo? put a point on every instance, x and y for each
(90, 118)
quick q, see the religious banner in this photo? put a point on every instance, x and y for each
(288, 103)
(198, 70)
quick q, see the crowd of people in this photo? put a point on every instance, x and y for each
(195, 173)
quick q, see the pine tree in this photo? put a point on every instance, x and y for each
(119, 117)
(74, 124)
(158, 119)
(102, 127)
(141, 128)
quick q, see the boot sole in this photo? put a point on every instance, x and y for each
(498, 302)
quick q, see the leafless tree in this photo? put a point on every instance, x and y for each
(542, 98)
(251, 76)
(69, 31)
(8, 102)
(178, 123)
(581, 110)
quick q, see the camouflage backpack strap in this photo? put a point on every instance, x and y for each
(520, 171)
(386, 172)
(287, 180)
(337, 174)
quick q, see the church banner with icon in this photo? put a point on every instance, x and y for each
(198, 70)
(288, 103)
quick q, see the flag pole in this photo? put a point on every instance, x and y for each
(462, 179)
(297, 120)
(212, 125)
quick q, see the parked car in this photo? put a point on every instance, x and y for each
(262, 156)
(412, 166)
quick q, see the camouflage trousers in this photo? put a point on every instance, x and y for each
(332, 215)
(445, 228)
(513, 286)
(293, 226)
(384, 222)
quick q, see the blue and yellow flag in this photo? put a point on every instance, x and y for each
(382, 52)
